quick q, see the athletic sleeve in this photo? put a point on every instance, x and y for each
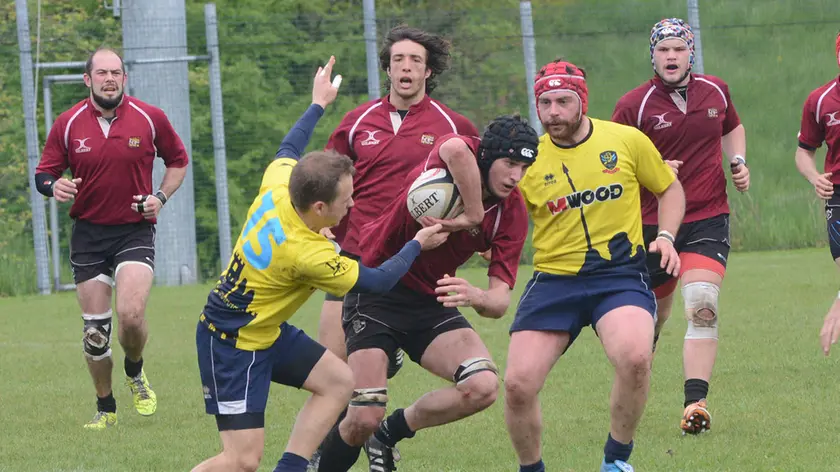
(329, 271)
(651, 171)
(169, 145)
(811, 131)
(508, 242)
(383, 278)
(298, 137)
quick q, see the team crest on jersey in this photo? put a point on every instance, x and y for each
(548, 179)
(427, 139)
(610, 161)
(712, 112)
(585, 198)
(134, 142)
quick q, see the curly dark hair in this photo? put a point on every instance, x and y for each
(437, 51)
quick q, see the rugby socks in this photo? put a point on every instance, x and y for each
(695, 390)
(133, 369)
(107, 404)
(291, 463)
(337, 455)
(616, 451)
(538, 466)
(394, 429)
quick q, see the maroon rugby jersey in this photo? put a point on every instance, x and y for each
(114, 161)
(685, 130)
(384, 148)
(821, 123)
(504, 229)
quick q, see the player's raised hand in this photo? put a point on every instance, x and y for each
(823, 186)
(670, 259)
(65, 190)
(675, 166)
(741, 177)
(327, 233)
(830, 331)
(455, 292)
(431, 237)
(324, 88)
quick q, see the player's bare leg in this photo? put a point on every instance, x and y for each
(531, 356)
(134, 281)
(701, 288)
(831, 323)
(341, 448)
(663, 313)
(242, 451)
(94, 298)
(460, 356)
(627, 336)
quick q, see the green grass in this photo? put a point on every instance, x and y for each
(770, 395)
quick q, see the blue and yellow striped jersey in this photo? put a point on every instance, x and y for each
(276, 265)
(584, 200)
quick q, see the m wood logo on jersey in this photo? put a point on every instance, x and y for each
(134, 142)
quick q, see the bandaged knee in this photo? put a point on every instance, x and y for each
(97, 335)
(473, 366)
(369, 397)
(701, 310)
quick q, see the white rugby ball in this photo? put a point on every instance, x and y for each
(434, 194)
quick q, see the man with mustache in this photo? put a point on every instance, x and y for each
(109, 142)
(589, 261)
(821, 124)
(690, 118)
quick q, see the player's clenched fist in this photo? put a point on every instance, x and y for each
(65, 190)
(670, 259)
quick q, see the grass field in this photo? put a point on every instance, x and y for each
(772, 396)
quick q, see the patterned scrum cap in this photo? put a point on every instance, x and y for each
(672, 28)
(562, 76)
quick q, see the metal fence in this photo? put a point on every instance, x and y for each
(257, 66)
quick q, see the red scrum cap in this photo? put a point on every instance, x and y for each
(559, 76)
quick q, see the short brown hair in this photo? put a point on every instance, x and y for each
(315, 178)
(437, 52)
(89, 63)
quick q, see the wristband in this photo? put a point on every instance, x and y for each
(665, 235)
(161, 196)
(737, 160)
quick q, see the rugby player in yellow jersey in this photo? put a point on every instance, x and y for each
(243, 339)
(589, 261)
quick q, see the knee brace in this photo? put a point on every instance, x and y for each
(701, 310)
(97, 335)
(369, 397)
(473, 366)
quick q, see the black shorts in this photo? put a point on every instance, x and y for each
(99, 250)
(401, 318)
(330, 297)
(832, 221)
(708, 238)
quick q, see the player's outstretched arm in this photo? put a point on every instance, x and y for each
(324, 92)
(383, 278)
(490, 303)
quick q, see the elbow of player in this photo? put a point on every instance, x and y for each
(494, 313)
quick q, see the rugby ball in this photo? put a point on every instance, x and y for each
(434, 194)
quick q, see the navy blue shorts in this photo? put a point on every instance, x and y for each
(569, 303)
(236, 381)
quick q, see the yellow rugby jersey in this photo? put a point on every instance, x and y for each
(584, 200)
(277, 263)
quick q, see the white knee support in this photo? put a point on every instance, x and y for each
(473, 366)
(369, 397)
(97, 335)
(701, 310)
